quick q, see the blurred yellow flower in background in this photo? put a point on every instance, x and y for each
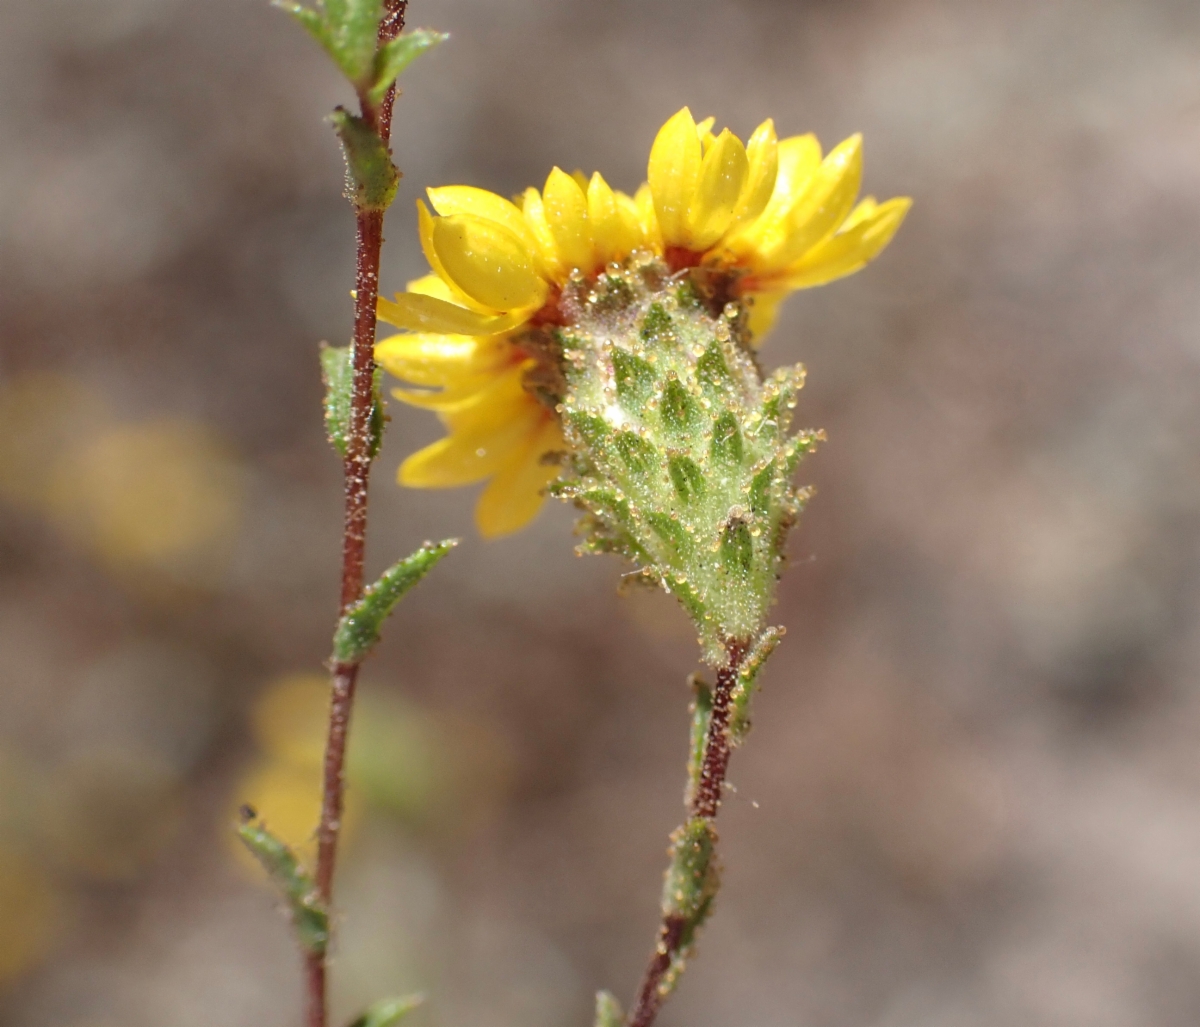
(403, 762)
(108, 811)
(284, 785)
(42, 416)
(763, 219)
(161, 495)
(32, 910)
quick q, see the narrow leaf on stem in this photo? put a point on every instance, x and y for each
(608, 1010)
(347, 30)
(357, 36)
(358, 631)
(337, 371)
(692, 879)
(309, 916)
(701, 715)
(371, 177)
(745, 686)
(313, 21)
(388, 1011)
(689, 889)
(393, 57)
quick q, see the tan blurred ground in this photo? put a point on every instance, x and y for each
(972, 797)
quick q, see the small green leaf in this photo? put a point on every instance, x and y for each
(657, 326)
(393, 57)
(726, 447)
(668, 528)
(687, 296)
(779, 400)
(687, 478)
(760, 489)
(348, 31)
(737, 548)
(635, 378)
(798, 447)
(711, 368)
(688, 597)
(613, 293)
(388, 1011)
(593, 430)
(337, 371)
(745, 686)
(308, 914)
(701, 715)
(356, 31)
(371, 177)
(358, 631)
(692, 879)
(608, 1010)
(679, 409)
(640, 455)
(611, 502)
(312, 20)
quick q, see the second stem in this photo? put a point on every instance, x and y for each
(357, 475)
(705, 803)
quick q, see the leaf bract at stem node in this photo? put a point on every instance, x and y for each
(359, 629)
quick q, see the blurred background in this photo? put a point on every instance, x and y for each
(972, 795)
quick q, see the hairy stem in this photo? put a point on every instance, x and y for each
(705, 803)
(356, 470)
(718, 744)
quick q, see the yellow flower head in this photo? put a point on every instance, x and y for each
(499, 267)
(772, 215)
(757, 220)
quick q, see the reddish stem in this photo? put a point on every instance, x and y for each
(718, 745)
(650, 998)
(706, 802)
(356, 473)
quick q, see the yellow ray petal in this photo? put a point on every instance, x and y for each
(850, 250)
(424, 358)
(798, 158)
(722, 173)
(704, 129)
(466, 199)
(488, 262)
(631, 220)
(643, 200)
(763, 311)
(762, 156)
(823, 206)
(483, 433)
(534, 212)
(504, 398)
(462, 459)
(421, 313)
(613, 234)
(448, 399)
(602, 216)
(515, 495)
(567, 215)
(866, 207)
(425, 222)
(432, 285)
(673, 173)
